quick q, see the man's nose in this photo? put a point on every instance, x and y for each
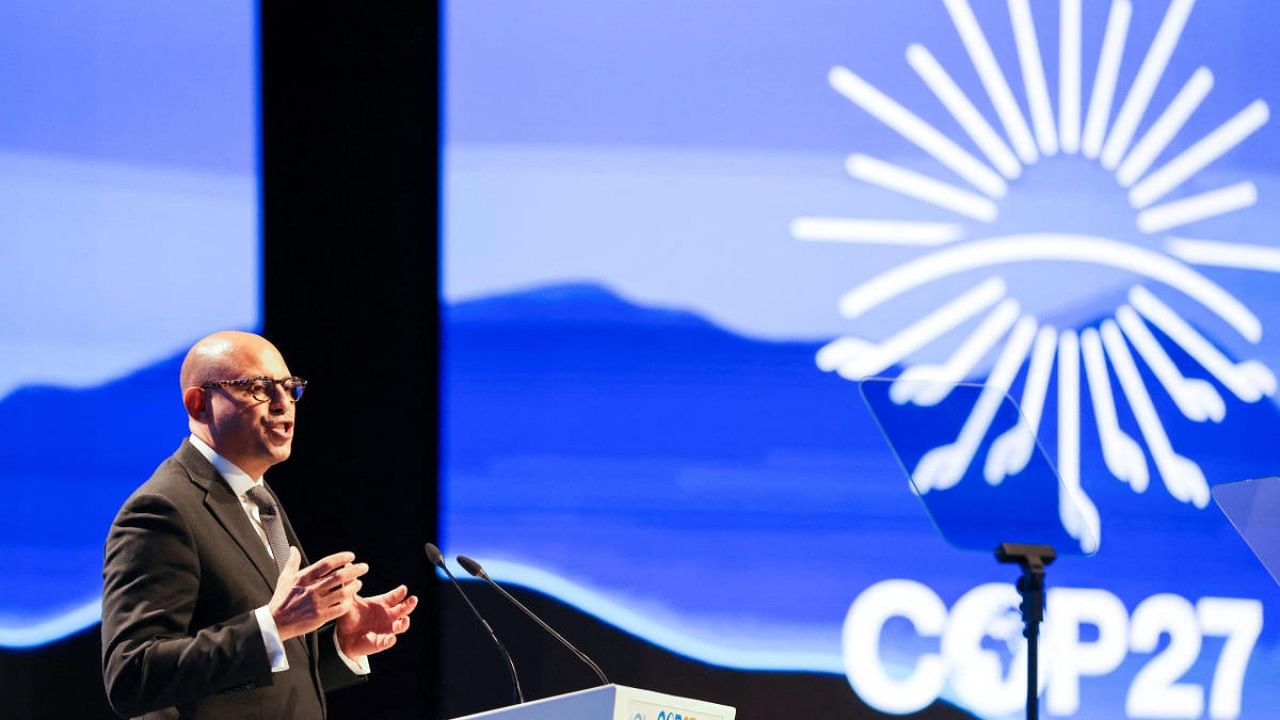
(279, 398)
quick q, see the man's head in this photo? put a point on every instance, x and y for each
(252, 433)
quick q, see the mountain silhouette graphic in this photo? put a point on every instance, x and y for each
(68, 459)
(726, 486)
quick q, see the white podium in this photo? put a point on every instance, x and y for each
(610, 702)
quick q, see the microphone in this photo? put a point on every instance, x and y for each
(474, 568)
(435, 557)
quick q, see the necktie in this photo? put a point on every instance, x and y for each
(271, 523)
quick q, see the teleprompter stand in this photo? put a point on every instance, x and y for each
(1033, 559)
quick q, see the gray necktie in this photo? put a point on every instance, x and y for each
(270, 514)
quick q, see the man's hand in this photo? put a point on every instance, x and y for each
(317, 594)
(373, 623)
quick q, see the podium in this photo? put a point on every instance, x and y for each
(610, 702)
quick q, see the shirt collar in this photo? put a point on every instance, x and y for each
(238, 479)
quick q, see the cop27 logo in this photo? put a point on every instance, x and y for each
(1161, 192)
(977, 191)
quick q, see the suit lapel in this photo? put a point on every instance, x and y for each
(227, 510)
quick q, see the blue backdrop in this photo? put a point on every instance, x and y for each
(129, 227)
(677, 236)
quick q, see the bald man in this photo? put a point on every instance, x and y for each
(200, 617)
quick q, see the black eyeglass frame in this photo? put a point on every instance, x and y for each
(262, 388)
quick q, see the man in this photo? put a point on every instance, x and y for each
(208, 608)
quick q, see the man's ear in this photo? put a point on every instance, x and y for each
(196, 402)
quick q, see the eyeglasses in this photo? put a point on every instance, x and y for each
(263, 388)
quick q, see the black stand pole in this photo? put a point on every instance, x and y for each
(1033, 559)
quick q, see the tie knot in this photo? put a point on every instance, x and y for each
(260, 497)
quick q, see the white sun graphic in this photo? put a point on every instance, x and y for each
(1104, 348)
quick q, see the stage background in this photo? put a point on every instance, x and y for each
(675, 236)
(635, 429)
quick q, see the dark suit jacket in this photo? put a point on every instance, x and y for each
(182, 574)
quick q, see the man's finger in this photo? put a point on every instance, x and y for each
(392, 597)
(351, 572)
(331, 613)
(339, 594)
(293, 561)
(340, 577)
(339, 580)
(403, 609)
(326, 565)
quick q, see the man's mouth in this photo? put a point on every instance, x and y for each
(282, 431)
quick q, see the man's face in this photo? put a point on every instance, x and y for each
(253, 434)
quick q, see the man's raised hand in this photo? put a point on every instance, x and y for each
(307, 598)
(374, 622)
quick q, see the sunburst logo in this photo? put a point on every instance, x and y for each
(1161, 190)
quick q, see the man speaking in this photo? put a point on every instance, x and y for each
(209, 607)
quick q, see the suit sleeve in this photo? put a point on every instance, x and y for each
(152, 657)
(334, 673)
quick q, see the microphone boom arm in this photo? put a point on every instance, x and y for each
(474, 568)
(437, 558)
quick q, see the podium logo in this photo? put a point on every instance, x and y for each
(994, 230)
